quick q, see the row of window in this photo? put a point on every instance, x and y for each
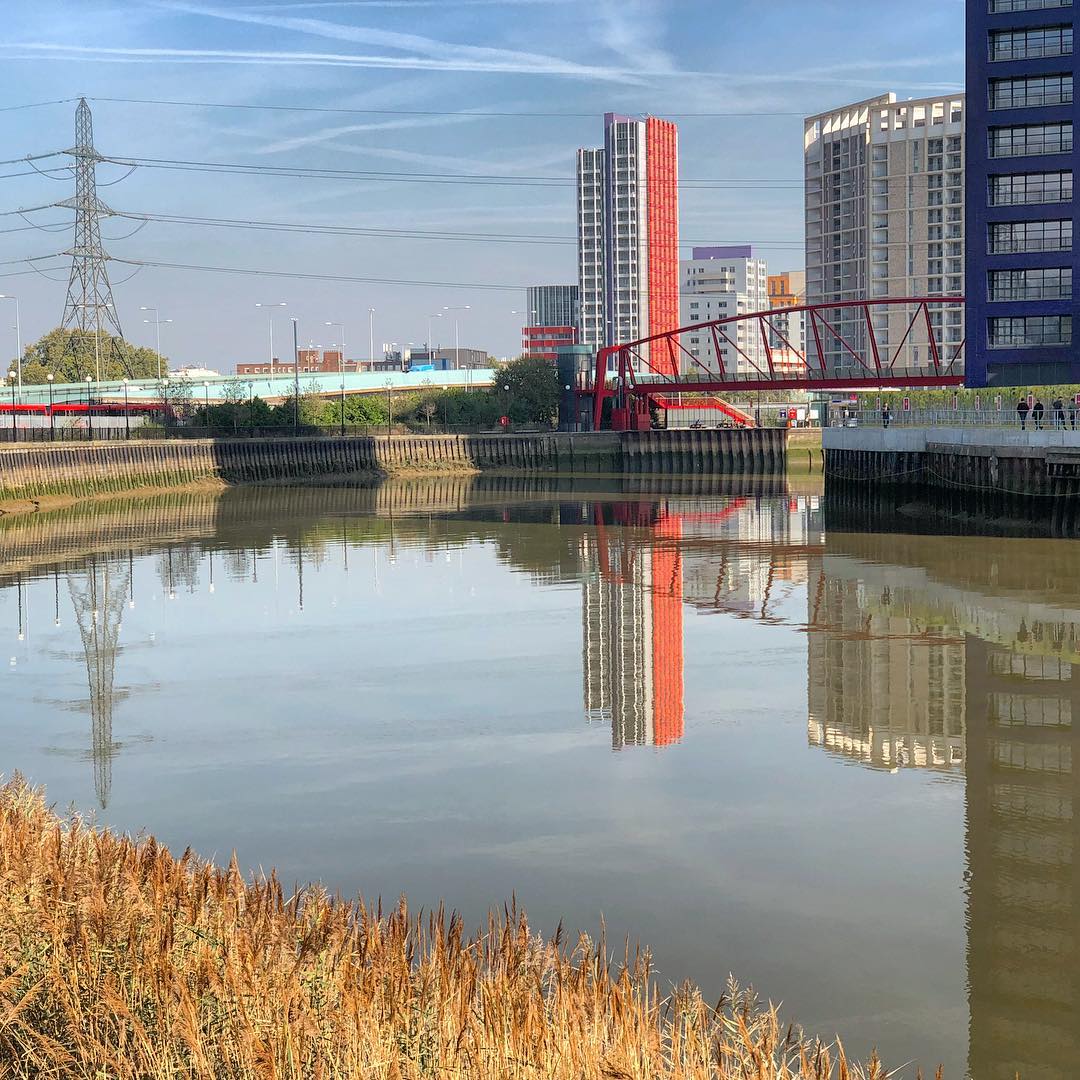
(1031, 43)
(1041, 283)
(1029, 237)
(1029, 189)
(1031, 140)
(1029, 331)
(1025, 92)
(998, 7)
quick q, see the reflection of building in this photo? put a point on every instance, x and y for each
(1023, 848)
(883, 687)
(632, 632)
(920, 668)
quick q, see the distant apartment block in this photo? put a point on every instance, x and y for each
(628, 232)
(552, 305)
(1021, 213)
(885, 218)
(787, 335)
(719, 283)
(552, 322)
(312, 362)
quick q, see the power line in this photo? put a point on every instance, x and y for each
(37, 104)
(305, 229)
(381, 176)
(492, 113)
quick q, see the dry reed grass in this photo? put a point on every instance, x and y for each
(119, 960)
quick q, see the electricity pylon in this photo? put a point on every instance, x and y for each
(89, 302)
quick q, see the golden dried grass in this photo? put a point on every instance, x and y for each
(119, 960)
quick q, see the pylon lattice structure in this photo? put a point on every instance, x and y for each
(98, 599)
(89, 306)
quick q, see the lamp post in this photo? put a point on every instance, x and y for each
(506, 402)
(12, 376)
(430, 347)
(89, 409)
(270, 324)
(341, 370)
(296, 373)
(127, 413)
(18, 339)
(164, 402)
(389, 384)
(371, 335)
(457, 342)
(52, 416)
(157, 320)
(206, 402)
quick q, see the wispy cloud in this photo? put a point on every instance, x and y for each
(325, 135)
(419, 51)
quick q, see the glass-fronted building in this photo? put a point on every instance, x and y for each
(1020, 208)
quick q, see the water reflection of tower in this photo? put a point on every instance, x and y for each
(883, 686)
(98, 594)
(1023, 847)
(632, 629)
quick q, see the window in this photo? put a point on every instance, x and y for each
(1024, 140)
(1027, 189)
(1037, 90)
(1030, 236)
(1030, 331)
(1028, 44)
(998, 7)
(1037, 284)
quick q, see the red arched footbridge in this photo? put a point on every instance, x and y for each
(849, 345)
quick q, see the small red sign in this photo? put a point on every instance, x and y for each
(504, 421)
(907, 404)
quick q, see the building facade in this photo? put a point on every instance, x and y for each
(628, 233)
(552, 305)
(787, 329)
(546, 341)
(1021, 214)
(718, 283)
(885, 219)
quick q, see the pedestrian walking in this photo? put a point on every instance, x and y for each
(1059, 413)
(1022, 410)
(1072, 414)
(886, 415)
(1037, 411)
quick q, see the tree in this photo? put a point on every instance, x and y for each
(534, 389)
(70, 355)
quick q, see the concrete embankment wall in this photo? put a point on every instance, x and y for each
(995, 472)
(39, 470)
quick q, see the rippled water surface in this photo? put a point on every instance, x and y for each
(837, 764)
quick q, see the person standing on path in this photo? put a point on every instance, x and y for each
(1072, 414)
(1059, 412)
(1022, 410)
(1037, 411)
(886, 415)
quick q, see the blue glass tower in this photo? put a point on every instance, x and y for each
(1020, 208)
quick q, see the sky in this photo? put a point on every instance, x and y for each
(489, 97)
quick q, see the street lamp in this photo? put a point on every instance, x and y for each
(296, 372)
(52, 416)
(89, 410)
(389, 384)
(12, 376)
(18, 339)
(371, 335)
(157, 321)
(206, 402)
(270, 321)
(127, 413)
(430, 347)
(457, 343)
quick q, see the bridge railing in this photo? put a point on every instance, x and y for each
(1007, 417)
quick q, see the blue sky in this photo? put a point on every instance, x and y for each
(418, 60)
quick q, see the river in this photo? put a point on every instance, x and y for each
(839, 765)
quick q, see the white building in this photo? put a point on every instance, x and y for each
(885, 218)
(716, 283)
